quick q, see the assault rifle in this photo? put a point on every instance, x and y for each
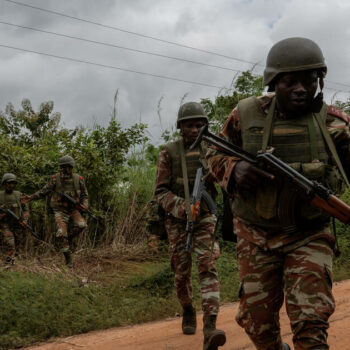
(199, 192)
(296, 185)
(18, 220)
(76, 204)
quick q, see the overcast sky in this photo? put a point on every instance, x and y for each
(83, 93)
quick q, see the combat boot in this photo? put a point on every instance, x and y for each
(212, 337)
(68, 259)
(189, 320)
(286, 346)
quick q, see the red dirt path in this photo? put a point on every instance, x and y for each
(166, 334)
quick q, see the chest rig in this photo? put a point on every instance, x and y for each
(12, 201)
(67, 186)
(300, 143)
(195, 159)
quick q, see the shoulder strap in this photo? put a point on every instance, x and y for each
(313, 137)
(329, 141)
(185, 178)
(268, 125)
(76, 182)
(172, 148)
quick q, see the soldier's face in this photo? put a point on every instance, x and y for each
(295, 91)
(190, 129)
(9, 186)
(66, 169)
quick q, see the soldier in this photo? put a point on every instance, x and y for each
(11, 199)
(65, 182)
(314, 139)
(175, 164)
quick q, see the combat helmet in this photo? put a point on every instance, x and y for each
(190, 110)
(291, 55)
(67, 160)
(8, 177)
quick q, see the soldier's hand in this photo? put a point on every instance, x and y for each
(23, 223)
(26, 199)
(82, 207)
(249, 176)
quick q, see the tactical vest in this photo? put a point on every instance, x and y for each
(12, 201)
(194, 159)
(70, 187)
(296, 141)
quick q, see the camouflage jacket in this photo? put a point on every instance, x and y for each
(222, 166)
(56, 201)
(170, 202)
(12, 201)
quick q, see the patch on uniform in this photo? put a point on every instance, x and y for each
(335, 111)
(81, 178)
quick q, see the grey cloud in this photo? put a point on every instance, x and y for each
(84, 94)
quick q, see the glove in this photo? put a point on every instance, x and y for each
(248, 176)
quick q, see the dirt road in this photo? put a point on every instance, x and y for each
(166, 335)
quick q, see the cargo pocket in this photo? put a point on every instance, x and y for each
(314, 171)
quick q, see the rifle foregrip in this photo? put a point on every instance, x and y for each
(333, 206)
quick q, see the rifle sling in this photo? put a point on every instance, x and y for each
(268, 125)
(185, 180)
(331, 146)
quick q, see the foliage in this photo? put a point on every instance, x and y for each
(218, 110)
(32, 143)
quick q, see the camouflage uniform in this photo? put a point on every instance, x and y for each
(272, 262)
(9, 229)
(155, 225)
(175, 222)
(75, 187)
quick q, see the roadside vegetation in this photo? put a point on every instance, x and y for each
(115, 281)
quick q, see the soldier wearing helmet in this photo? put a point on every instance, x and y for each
(72, 184)
(303, 131)
(170, 195)
(11, 231)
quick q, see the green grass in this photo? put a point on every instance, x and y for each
(38, 306)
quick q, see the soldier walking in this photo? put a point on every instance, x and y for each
(314, 139)
(11, 199)
(72, 184)
(176, 164)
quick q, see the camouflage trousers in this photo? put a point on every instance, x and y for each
(300, 272)
(8, 241)
(182, 262)
(62, 220)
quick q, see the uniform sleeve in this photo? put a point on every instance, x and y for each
(169, 201)
(221, 165)
(84, 197)
(338, 125)
(47, 189)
